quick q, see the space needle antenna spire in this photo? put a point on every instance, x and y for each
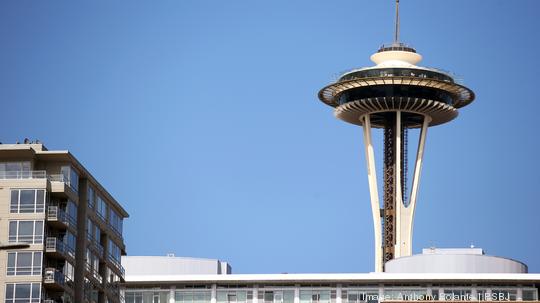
(396, 32)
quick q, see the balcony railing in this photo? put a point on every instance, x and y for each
(53, 244)
(58, 178)
(113, 289)
(32, 174)
(94, 272)
(93, 244)
(116, 264)
(53, 275)
(55, 213)
(62, 178)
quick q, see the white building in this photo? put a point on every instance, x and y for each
(456, 274)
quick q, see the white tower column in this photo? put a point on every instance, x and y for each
(404, 212)
(373, 192)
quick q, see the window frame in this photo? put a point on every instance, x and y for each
(31, 298)
(31, 270)
(38, 207)
(36, 239)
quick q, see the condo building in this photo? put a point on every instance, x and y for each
(68, 225)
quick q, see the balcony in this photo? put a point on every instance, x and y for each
(61, 184)
(54, 279)
(59, 218)
(96, 247)
(93, 274)
(114, 291)
(56, 248)
(32, 174)
(116, 265)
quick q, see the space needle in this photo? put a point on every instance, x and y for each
(395, 95)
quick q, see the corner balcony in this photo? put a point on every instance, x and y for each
(60, 184)
(56, 248)
(58, 218)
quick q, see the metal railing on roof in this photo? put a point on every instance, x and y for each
(396, 47)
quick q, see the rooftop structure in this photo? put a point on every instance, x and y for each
(170, 265)
(187, 280)
(71, 225)
(454, 260)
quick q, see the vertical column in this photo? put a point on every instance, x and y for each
(171, 294)
(406, 212)
(398, 193)
(297, 293)
(80, 246)
(429, 292)
(474, 293)
(338, 293)
(381, 293)
(373, 192)
(441, 294)
(213, 295)
(255, 293)
(489, 295)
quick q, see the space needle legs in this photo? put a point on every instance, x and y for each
(392, 223)
(373, 191)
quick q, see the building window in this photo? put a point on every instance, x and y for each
(71, 177)
(314, 296)
(234, 296)
(405, 294)
(24, 263)
(147, 296)
(90, 197)
(15, 170)
(70, 241)
(27, 201)
(276, 296)
(101, 208)
(69, 271)
(93, 233)
(92, 261)
(71, 210)
(203, 296)
(481, 295)
(504, 295)
(111, 276)
(360, 296)
(457, 295)
(114, 251)
(115, 221)
(26, 232)
(23, 292)
(530, 295)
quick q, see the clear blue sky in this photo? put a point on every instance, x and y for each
(201, 118)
